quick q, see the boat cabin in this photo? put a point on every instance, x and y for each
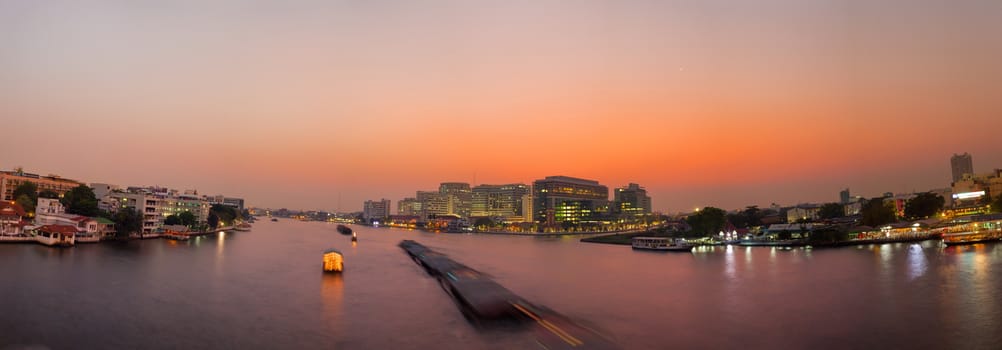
(333, 261)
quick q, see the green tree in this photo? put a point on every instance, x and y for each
(828, 235)
(213, 220)
(172, 220)
(483, 222)
(26, 188)
(225, 214)
(26, 195)
(187, 219)
(25, 202)
(81, 201)
(754, 215)
(924, 205)
(875, 213)
(50, 194)
(997, 204)
(706, 222)
(831, 211)
(739, 220)
(127, 221)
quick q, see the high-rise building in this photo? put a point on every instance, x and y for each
(409, 206)
(843, 196)
(9, 180)
(506, 201)
(376, 210)
(433, 203)
(558, 199)
(632, 200)
(460, 196)
(961, 164)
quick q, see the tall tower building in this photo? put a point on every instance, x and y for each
(844, 196)
(961, 164)
(460, 197)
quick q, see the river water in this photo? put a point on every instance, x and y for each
(264, 289)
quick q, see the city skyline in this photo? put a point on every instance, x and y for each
(308, 105)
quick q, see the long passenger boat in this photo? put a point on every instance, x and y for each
(973, 232)
(661, 244)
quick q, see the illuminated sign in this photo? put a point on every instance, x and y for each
(968, 195)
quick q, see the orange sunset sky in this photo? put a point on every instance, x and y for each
(297, 103)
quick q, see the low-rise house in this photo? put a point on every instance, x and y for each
(11, 219)
(56, 235)
(105, 228)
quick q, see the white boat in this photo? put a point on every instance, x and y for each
(661, 244)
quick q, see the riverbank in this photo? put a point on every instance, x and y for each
(621, 238)
(627, 239)
(512, 233)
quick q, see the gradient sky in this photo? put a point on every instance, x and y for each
(295, 103)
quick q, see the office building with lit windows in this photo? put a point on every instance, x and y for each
(460, 197)
(504, 201)
(558, 199)
(376, 210)
(632, 201)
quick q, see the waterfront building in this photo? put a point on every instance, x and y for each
(803, 212)
(148, 201)
(460, 197)
(558, 199)
(48, 206)
(632, 201)
(961, 164)
(505, 201)
(101, 190)
(233, 202)
(972, 189)
(11, 218)
(84, 225)
(52, 235)
(9, 180)
(853, 207)
(376, 210)
(176, 203)
(409, 207)
(433, 204)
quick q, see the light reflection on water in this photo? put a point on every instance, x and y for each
(265, 290)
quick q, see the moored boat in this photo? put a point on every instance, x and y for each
(243, 227)
(344, 230)
(661, 244)
(973, 232)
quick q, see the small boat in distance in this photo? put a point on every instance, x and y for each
(333, 261)
(243, 227)
(354, 237)
(344, 230)
(274, 219)
(661, 244)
